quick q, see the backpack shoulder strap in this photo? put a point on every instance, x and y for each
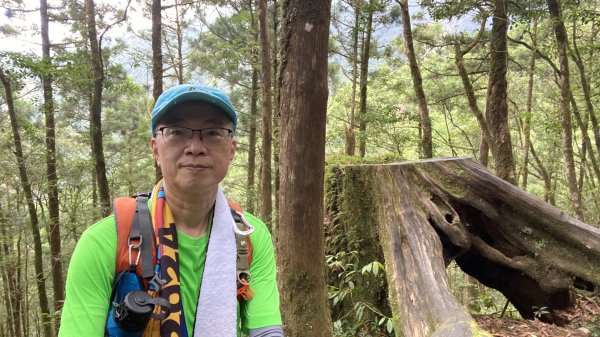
(135, 237)
(244, 252)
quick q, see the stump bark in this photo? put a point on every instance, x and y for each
(421, 215)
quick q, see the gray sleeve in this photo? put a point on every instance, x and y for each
(267, 331)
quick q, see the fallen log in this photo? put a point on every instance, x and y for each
(421, 215)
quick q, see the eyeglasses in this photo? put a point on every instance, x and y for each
(180, 136)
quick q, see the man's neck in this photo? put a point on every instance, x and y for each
(191, 211)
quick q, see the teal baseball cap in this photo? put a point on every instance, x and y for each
(191, 93)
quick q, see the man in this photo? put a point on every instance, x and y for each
(193, 143)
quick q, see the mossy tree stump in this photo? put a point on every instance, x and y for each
(424, 214)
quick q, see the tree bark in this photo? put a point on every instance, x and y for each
(427, 213)
(51, 170)
(267, 129)
(350, 132)
(496, 108)
(11, 273)
(364, 76)
(96, 108)
(565, 111)
(251, 176)
(276, 113)
(470, 92)
(585, 87)
(527, 120)
(426, 140)
(303, 105)
(157, 57)
(157, 61)
(33, 218)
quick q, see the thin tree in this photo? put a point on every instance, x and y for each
(33, 218)
(267, 129)
(97, 64)
(364, 74)
(157, 57)
(560, 33)
(459, 54)
(426, 140)
(527, 120)
(496, 108)
(303, 105)
(96, 107)
(11, 276)
(350, 133)
(51, 167)
(157, 60)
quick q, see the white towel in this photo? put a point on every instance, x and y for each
(217, 305)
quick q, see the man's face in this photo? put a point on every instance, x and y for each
(193, 165)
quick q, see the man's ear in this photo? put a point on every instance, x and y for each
(233, 149)
(155, 150)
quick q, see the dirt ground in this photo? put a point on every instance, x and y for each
(582, 320)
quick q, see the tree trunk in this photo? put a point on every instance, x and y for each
(33, 218)
(565, 111)
(350, 132)
(52, 176)
(11, 270)
(157, 58)
(527, 121)
(157, 61)
(585, 87)
(251, 177)
(276, 113)
(364, 74)
(300, 251)
(426, 141)
(470, 92)
(430, 212)
(267, 130)
(96, 108)
(496, 108)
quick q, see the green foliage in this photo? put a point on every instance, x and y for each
(358, 318)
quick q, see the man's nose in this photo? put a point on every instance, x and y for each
(196, 145)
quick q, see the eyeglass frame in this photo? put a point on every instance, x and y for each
(160, 129)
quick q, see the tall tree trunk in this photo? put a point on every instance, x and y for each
(300, 251)
(496, 108)
(11, 270)
(267, 130)
(157, 61)
(527, 120)
(587, 95)
(58, 286)
(585, 146)
(33, 218)
(276, 113)
(470, 92)
(96, 108)
(350, 132)
(364, 74)
(426, 140)
(178, 31)
(157, 57)
(251, 202)
(565, 111)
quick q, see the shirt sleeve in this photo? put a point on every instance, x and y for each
(263, 309)
(89, 281)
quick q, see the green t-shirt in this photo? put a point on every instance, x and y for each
(92, 268)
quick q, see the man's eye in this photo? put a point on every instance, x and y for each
(178, 132)
(212, 133)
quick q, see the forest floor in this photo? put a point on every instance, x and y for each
(582, 320)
